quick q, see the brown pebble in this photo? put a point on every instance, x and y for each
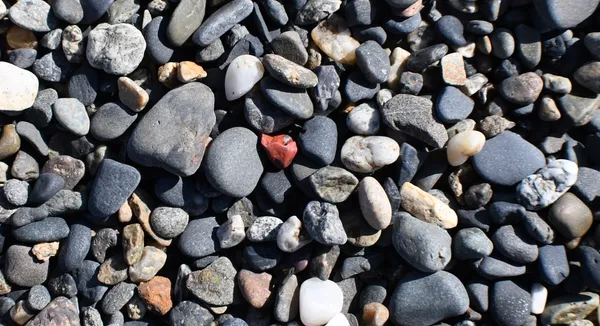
(375, 314)
(113, 270)
(133, 243)
(125, 214)
(167, 74)
(132, 95)
(19, 38)
(570, 216)
(188, 71)
(4, 286)
(256, 288)
(156, 293)
(139, 205)
(10, 142)
(43, 251)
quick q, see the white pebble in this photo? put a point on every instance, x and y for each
(367, 154)
(320, 301)
(291, 236)
(383, 96)
(242, 74)
(539, 294)
(231, 233)
(363, 120)
(374, 203)
(338, 320)
(464, 145)
(18, 88)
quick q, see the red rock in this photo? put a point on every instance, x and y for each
(281, 149)
(156, 293)
(256, 288)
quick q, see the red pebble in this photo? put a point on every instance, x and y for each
(281, 149)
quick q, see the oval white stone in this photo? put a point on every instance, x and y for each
(320, 301)
(18, 88)
(367, 154)
(539, 294)
(464, 145)
(242, 74)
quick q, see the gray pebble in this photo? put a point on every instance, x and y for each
(264, 117)
(33, 15)
(22, 58)
(103, 240)
(52, 67)
(105, 40)
(111, 121)
(509, 303)
(16, 192)
(168, 222)
(503, 43)
(74, 250)
(471, 243)
(289, 72)
(189, 313)
(62, 285)
(52, 39)
(318, 141)
(264, 228)
(452, 105)
(211, 53)
(26, 215)
(38, 297)
(373, 61)
(18, 259)
(333, 184)
(493, 268)
(71, 114)
(113, 185)
(325, 91)
(24, 167)
(323, 223)
(117, 297)
(90, 290)
(40, 113)
(47, 230)
(70, 11)
(358, 88)
(221, 21)
(291, 100)
(289, 45)
(199, 238)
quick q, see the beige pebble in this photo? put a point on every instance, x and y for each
(5, 288)
(426, 207)
(464, 145)
(138, 203)
(43, 251)
(167, 74)
(548, 111)
(375, 314)
(398, 61)
(188, 71)
(453, 69)
(333, 37)
(19, 38)
(125, 214)
(374, 203)
(132, 95)
(20, 314)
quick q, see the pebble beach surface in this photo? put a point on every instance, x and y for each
(299, 162)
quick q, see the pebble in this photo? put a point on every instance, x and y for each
(557, 84)
(60, 310)
(540, 190)
(319, 301)
(10, 143)
(334, 38)
(156, 293)
(427, 298)
(374, 203)
(264, 228)
(281, 149)
(255, 287)
(16, 192)
(507, 159)
(291, 100)
(539, 294)
(558, 14)
(569, 308)
(71, 169)
(261, 257)
(70, 11)
(368, 154)
(522, 89)
(452, 105)
(168, 222)
(231, 233)
(363, 120)
(264, 117)
(503, 43)
(515, 244)
(286, 301)
(187, 108)
(587, 76)
(19, 259)
(242, 74)
(133, 243)
(318, 141)
(40, 114)
(529, 46)
(413, 115)
(553, 264)
(453, 69)
(152, 260)
(72, 44)
(509, 303)
(75, 248)
(111, 121)
(222, 20)
(71, 114)
(464, 145)
(45, 250)
(577, 109)
(83, 85)
(22, 58)
(358, 88)
(91, 316)
(103, 240)
(33, 15)
(289, 72)
(289, 45)
(89, 289)
(186, 18)
(471, 243)
(114, 183)
(570, 217)
(291, 236)
(51, 40)
(323, 224)
(426, 207)
(425, 246)
(199, 238)
(131, 95)
(373, 61)
(451, 30)
(188, 313)
(333, 184)
(213, 285)
(105, 39)
(21, 90)
(112, 271)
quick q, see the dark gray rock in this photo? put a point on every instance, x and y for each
(94, 9)
(588, 75)
(264, 117)
(358, 88)
(18, 259)
(89, 289)
(40, 114)
(425, 299)
(586, 186)
(480, 27)
(553, 265)
(52, 67)
(46, 186)
(360, 12)
(507, 159)
(421, 59)
(32, 135)
(452, 105)
(26, 215)
(47, 230)
(503, 43)
(316, 10)
(478, 295)
(186, 18)
(369, 33)
(537, 228)
(561, 15)
(515, 244)
(60, 311)
(71, 169)
(413, 115)
(211, 53)
(291, 100)
(425, 246)
(188, 109)
(493, 268)
(509, 303)
(221, 21)
(75, 248)
(117, 297)
(189, 313)
(199, 238)
(373, 61)
(403, 26)
(22, 58)
(529, 46)
(52, 39)
(111, 121)
(318, 141)
(276, 186)
(410, 83)
(324, 92)
(83, 85)
(113, 185)
(261, 257)
(451, 30)
(155, 33)
(62, 285)
(577, 109)
(289, 45)
(233, 166)
(38, 297)
(471, 243)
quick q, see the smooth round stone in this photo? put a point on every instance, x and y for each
(370, 33)
(509, 303)
(18, 259)
(189, 109)
(117, 297)
(94, 9)
(293, 101)
(452, 105)
(539, 294)
(71, 114)
(276, 186)
(557, 84)
(186, 18)
(403, 26)
(363, 120)
(168, 222)
(522, 89)
(83, 85)
(569, 309)
(113, 185)
(553, 265)
(479, 27)
(507, 159)
(492, 268)
(425, 299)
(232, 163)
(515, 244)
(152, 260)
(242, 74)
(318, 141)
(111, 121)
(289, 72)
(561, 15)
(451, 30)
(199, 239)
(322, 222)
(70, 11)
(374, 203)
(592, 43)
(38, 297)
(189, 313)
(425, 246)
(155, 34)
(291, 236)
(471, 243)
(503, 43)
(570, 217)
(221, 21)
(334, 38)
(20, 89)
(319, 301)
(368, 154)
(373, 61)
(289, 45)
(264, 117)
(105, 40)
(33, 15)
(543, 188)
(529, 46)
(588, 75)
(22, 58)
(75, 248)
(464, 145)
(47, 230)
